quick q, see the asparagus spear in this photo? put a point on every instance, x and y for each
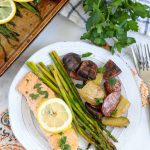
(30, 8)
(8, 33)
(44, 70)
(35, 70)
(4, 52)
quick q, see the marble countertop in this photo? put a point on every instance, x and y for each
(61, 29)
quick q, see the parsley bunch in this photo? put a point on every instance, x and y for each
(113, 19)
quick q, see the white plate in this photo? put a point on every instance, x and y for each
(22, 120)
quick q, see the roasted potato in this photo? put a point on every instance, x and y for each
(115, 122)
(122, 107)
(91, 91)
(99, 78)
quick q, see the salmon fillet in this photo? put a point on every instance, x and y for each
(27, 87)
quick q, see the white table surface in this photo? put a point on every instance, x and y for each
(61, 29)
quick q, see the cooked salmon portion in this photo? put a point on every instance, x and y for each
(28, 87)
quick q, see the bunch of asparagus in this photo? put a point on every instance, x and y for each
(56, 77)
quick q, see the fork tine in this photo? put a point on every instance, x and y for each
(147, 56)
(135, 59)
(148, 50)
(143, 58)
(139, 57)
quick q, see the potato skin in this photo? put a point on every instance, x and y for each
(90, 92)
(115, 122)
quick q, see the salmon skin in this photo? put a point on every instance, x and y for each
(27, 87)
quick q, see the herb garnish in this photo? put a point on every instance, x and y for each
(113, 112)
(98, 101)
(86, 54)
(63, 145)
(101, 69)
(112, 81)
(113, 19)
(79, 148)
(34, 96)
(37, 85)
(39, 90)
(79, 86)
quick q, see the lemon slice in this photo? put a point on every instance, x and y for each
(7, 10)
(23, 0)
(54, 115)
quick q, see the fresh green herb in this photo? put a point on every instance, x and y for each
(45, 93)
(101, 69)
(112, 81)
(39, 90)
(113, 19)
(8, 33)
(86, 54)
(34, 96)
(37, 85)
(63, 145)
(79, 148)
(79, 86)
(66, 147)
(98, 101)
(62, 141)
(113, 112)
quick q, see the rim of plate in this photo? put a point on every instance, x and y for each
(127, 79)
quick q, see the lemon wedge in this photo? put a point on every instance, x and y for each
(7, 10)
(54, 115)
(23, 0)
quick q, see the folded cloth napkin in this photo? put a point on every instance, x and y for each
(74, 12)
